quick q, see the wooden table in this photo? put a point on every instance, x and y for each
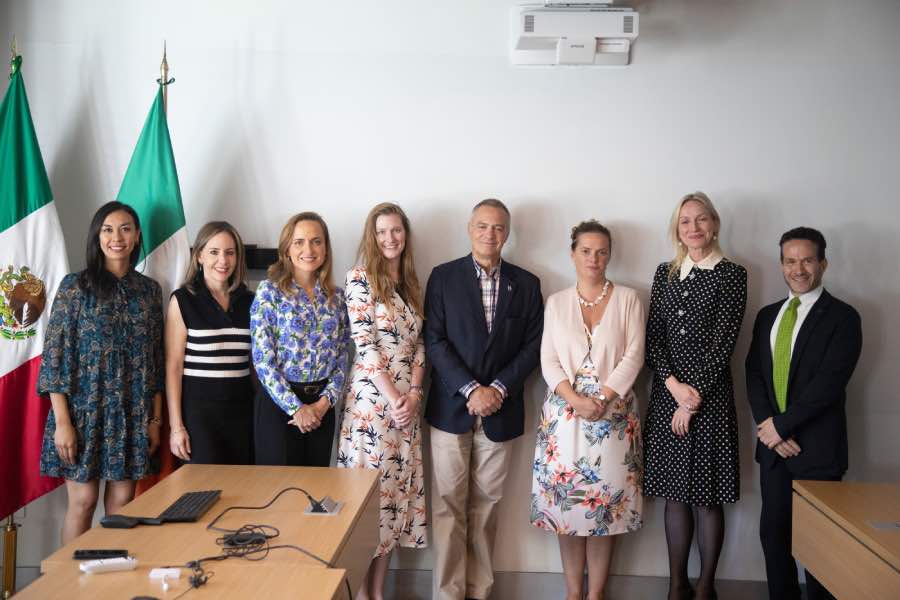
(230, 579)
(834, 537)
(346, 540)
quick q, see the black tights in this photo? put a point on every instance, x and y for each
(679, 533)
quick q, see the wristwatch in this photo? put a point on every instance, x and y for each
(602, 397)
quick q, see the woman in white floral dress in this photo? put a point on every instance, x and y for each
(587, 466)
(380, 427)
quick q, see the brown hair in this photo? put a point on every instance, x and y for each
(680, 249)
(282, 272)
(206, 233)
(590, 226)
(370, 256)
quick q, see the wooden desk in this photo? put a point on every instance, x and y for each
(230, 580)
(346, 540)
(834, 539)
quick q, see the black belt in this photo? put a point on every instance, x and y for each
(308, 391)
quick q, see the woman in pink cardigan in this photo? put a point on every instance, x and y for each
(587, 468)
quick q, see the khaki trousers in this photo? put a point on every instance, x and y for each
(468, 471)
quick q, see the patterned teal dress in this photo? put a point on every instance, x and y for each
(106, 356)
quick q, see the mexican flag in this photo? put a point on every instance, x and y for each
(32, 263)
(151, 187)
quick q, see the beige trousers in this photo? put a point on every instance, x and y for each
(468, 471)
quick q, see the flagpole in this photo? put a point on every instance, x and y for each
(10, 531)
(10, 535)
(14, 50)
(164, 78)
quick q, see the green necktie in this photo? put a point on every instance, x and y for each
(781, 363)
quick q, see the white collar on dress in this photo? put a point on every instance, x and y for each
(708, 263)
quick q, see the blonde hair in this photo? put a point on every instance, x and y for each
(376, 265)
(206, 233)
(281, 273)
(680, 249)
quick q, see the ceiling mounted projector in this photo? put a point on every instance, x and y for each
(572, 33)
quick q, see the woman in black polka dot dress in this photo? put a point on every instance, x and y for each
(690, 437)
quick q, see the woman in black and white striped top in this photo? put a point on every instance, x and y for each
(208, 385)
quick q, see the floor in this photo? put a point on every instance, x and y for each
(416, 585)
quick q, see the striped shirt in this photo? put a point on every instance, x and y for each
(218, 341)
(218, 353)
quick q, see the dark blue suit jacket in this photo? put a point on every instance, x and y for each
(824, 357)
(461, 350)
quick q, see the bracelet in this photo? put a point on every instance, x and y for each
(154, 421)
(179, 430)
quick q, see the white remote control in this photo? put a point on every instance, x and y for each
(106, 565)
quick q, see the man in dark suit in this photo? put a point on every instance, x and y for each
(803, 353)
(483, 323)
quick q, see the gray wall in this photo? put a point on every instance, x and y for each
(784, 112)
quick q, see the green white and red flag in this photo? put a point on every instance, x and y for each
(151, 187)
(32, 263)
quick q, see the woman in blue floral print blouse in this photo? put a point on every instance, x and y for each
(102, 366)
(301, 348)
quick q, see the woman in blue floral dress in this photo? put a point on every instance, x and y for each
(300, 348)
(102, 366)
(380, 426)
(587, 466)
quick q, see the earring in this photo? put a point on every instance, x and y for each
(715, 236)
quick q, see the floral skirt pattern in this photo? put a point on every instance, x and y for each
(370, 439)
(587, 475)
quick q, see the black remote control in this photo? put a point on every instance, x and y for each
(93, 554)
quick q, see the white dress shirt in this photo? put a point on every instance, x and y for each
(806, 303)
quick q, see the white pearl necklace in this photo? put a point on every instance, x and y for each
(599, 299)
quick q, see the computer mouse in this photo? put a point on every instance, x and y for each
(119, 521)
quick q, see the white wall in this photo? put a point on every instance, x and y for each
(784, 112)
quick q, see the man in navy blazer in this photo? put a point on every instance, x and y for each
(801, 421)
(483, 323)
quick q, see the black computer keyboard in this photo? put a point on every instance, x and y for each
(190, 507)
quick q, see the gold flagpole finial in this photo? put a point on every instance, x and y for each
(164, 78)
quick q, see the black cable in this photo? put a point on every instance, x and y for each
(250, 540)
(316, 507)
(197, 579)
(247, 550)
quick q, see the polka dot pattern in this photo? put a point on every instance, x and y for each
(691, 332)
